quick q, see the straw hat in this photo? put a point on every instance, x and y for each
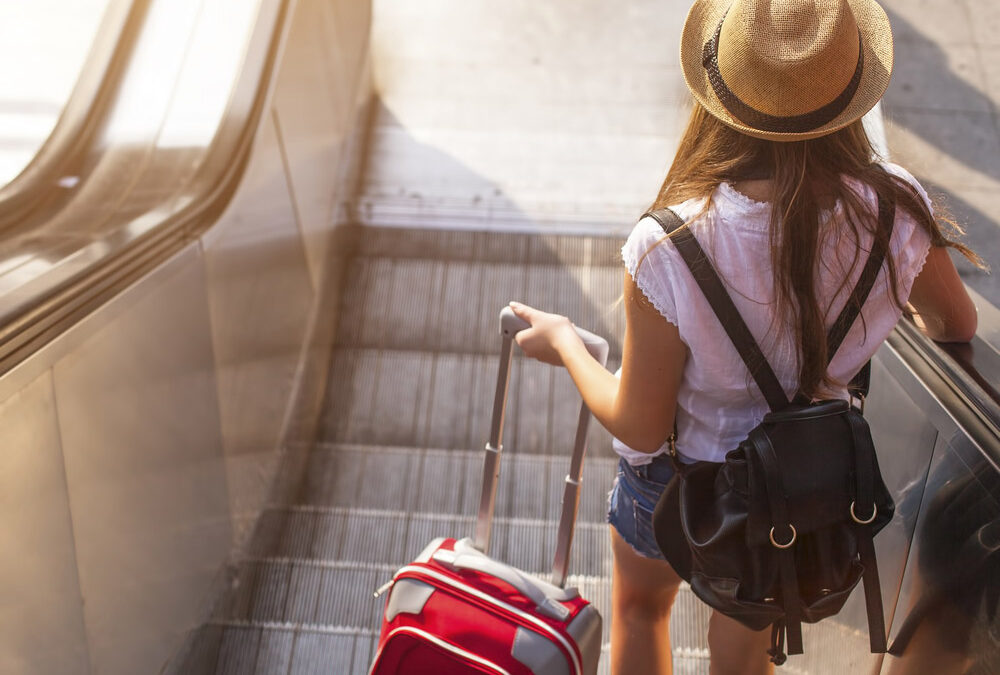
(787, 70)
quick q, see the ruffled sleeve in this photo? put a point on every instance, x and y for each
(647, 257)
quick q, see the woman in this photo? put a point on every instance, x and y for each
(774, 176)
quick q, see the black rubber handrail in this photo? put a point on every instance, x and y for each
(963, 376)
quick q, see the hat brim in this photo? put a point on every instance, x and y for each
(876, 36)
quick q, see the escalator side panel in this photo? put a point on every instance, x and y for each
(39, 584)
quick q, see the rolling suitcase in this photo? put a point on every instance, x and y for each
(456, 611)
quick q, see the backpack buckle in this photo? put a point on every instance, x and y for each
(859, 521)
(860, 398)
(790, 541)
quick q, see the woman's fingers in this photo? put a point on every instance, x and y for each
(522, 311)
(541, 341)
(523, 337)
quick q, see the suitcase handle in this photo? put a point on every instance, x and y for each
(598, 347)
(511, 324)
(548, 599)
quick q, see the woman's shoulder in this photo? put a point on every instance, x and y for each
(910, 240)
(652, 259)
(648, 236)
(907, 177)
(649, 227)
(900, 171)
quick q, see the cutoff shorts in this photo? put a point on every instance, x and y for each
(632, 500)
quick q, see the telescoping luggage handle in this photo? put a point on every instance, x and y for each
(510, 325)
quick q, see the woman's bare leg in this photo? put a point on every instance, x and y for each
(737, 650)
(642, 593)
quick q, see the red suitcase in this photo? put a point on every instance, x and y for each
(456, 611)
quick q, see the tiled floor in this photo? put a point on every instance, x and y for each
(943, 114)
(523, 115)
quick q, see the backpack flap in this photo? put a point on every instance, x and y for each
(818, 449)
(815, 458)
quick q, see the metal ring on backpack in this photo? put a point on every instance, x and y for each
(790, 541)
(864, 522)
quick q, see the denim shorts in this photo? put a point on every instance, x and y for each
(632, 500)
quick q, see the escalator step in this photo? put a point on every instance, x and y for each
(452, 306)
(424, 399)
(449, 481)
(393, 538)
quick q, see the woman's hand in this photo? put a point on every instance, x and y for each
(548, 336)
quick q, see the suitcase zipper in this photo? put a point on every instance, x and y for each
(377, 593)
(458, 651)
(536, 623)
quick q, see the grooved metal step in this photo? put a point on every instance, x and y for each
(313, 592)
(520, 248)
(444, 400)
(372, 537)
(271, 632)
(399, 461)
(261, 648)
(303, 598)
(429, 320)
(415, 359)
(448, 482)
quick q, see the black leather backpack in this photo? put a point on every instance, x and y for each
(781, 532)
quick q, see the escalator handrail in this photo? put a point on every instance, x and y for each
(80, 117)
(965, 377)
(52, 310)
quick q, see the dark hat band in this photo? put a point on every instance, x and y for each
(762, 121)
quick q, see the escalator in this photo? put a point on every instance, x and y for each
(410, 397)
(247, 370)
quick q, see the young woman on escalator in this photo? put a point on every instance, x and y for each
(775, 177)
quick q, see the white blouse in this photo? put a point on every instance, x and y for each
(718, 402)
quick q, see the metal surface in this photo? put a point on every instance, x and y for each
(257, 339)
(96, 80)
(163, 404)
(971, 369)
(570, 500)
(598, 347)
(952, 571)
(147, 171)
(156, 488)
(315, 565)
(398, 383)
(320, 88)
(139, 425)
(409, 495)
(42, 602)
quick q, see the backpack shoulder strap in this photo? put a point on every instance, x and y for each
(849, 314)
(714, 291)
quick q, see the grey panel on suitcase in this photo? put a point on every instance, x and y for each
(408, 596)
(538, 653)
(586, 631)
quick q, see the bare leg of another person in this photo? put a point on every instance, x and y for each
(737, 650)
(642, 593)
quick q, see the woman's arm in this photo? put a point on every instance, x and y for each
(942, 308)
(639, 408)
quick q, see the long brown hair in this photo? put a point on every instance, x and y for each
(807, 177)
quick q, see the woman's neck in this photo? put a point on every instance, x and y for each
(759, 190)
